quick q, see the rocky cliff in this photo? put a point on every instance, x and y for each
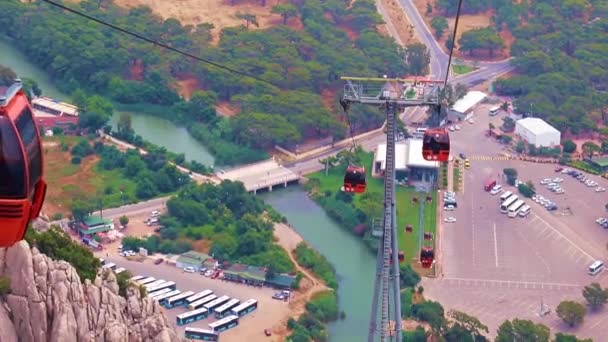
(48, 302)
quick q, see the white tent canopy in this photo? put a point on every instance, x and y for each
(470, 100)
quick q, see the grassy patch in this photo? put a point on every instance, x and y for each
(456, 180)
(460, 69)
(585, 166)
(407, 210)
(68, 181)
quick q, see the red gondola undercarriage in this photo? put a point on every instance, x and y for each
(436, 145)
(22, 187)
(354, 179)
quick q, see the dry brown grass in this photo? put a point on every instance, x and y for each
(65, 180)
(217, 12)
(467, 22)
(402, 25)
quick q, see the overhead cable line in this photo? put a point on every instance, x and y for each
(447, 72)
(157, 43)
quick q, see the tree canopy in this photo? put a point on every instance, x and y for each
(522, 330)
(302, 63)
(561, 58)
(238, 225)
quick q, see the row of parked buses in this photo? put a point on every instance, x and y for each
(511, 205)
(201, 305)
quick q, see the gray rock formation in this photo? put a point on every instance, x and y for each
(48, 302)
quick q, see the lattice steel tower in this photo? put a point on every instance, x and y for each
(394, 95)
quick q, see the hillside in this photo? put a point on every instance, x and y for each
(48, 302)
(218, 12)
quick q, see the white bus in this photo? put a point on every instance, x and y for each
(494, 110)
(163, 298)
(110, 265)
(198, 296)
(504, 207)
(146, 280)
(524, 211)
(178, 300)
(199, 303)
(192, 316)
(224, 323)
(201, 334)
(224, 310)
(514, 208)
(148, 286)
(155, 294)
(245, 308)
(119, 270)
(596, 267)
(505, 195)
(136, 278)
(214, 304)
(166, 285)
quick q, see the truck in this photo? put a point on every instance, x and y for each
(489, 185)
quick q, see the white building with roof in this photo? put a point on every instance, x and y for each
(537, 132)
(409, 162)
(465, 105)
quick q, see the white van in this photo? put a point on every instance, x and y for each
(496, 189)
(596, 267)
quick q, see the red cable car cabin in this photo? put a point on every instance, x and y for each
(436, 145)
(427, 256)
(354, 179)
(401, 257)
(22, 188)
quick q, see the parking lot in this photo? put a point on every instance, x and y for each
(271, 313)
(501, 267)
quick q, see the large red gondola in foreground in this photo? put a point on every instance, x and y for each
(436, 145)
(354, 179)
(22, 187)
(427, 256)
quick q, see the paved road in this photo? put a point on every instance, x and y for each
(439, 59)
(501, 267)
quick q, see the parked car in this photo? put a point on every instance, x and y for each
(600, 189)
(158, 261)
(189, 269)
(449, 219)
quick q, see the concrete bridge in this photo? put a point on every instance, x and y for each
(261, 176)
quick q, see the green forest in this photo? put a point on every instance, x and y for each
(560, 54)
(238, 225)
(83, 55)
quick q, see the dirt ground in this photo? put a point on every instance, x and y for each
(217, 12)
(466, 23)
(62, 177)
(404, 29)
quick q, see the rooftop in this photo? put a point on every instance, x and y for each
(471, 99)
(407, 154)
(53, 104)
(414, 156)
(282, 279)
(192, 258)
(95, 220)
(536, 126)
(252, 272)
(600, 161)
(400, 153)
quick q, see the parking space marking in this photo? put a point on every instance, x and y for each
(564, 237)
(495, 247)
(510, 283)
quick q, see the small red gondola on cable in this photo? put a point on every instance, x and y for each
(401, 257)
(436, 145)
(22, 187)
(354, 179)
(427, 256)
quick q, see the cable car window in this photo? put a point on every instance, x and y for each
(12, 164)
(27, 129)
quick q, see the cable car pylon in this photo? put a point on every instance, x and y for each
(393, 95)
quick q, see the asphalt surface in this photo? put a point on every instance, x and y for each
(502, 267)
(253, 323)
